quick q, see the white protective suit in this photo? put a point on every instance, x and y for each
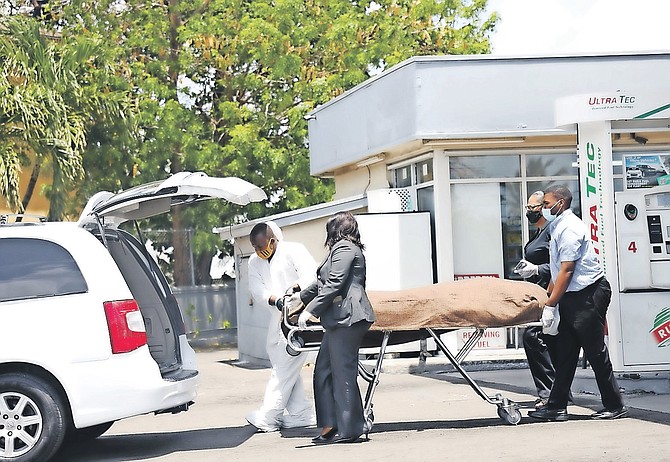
(285, 391)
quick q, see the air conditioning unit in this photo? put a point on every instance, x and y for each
(390, 200)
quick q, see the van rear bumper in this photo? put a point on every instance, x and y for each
(125, 385)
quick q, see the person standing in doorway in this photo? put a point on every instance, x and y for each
(279, 266)
(580, 287)
(339, 300)
(539, 347)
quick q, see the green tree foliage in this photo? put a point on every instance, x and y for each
(51, 92)
(223, 86)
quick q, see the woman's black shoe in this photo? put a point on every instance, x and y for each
(326, 437)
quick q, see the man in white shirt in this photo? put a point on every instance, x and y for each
(581, 293)
(279, 266)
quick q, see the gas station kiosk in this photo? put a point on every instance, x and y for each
(630, 229)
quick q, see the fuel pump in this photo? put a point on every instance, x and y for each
(642, 219)
(633, 243)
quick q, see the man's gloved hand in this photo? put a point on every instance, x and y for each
(302, 319)
(279, 303)
(526, 269)
(548, 314)
(293, 302)
(550, 319)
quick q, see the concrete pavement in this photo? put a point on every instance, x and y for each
(432, 415)
(650, 391)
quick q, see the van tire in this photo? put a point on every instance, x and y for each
(41, 416)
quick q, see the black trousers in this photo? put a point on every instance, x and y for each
(583, 326)
(541, 354)
(336, 394)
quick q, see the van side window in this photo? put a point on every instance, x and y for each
(32, 268)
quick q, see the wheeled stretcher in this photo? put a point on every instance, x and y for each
(416, 314)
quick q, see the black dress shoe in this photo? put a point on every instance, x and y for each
(326, 437)
(549, 415)
(608, 415)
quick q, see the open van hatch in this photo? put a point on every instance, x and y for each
(105, 211)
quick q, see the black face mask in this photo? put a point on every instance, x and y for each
(534, 217)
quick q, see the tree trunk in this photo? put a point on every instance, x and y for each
(56, 198)
(203, 263)
(182, 249)
(34, 176)
(180, 239)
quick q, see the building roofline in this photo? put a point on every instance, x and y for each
(293, 217)
(483, 58)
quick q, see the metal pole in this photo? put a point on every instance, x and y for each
(190, 253)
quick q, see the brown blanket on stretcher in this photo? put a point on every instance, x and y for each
(480, 302)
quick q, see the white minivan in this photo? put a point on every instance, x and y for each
(90, 332)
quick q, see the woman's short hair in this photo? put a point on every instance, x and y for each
(340, 226)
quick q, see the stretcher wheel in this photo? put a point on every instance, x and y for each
(371, 418)
(511, 414)
(369, 421)
(297, 342)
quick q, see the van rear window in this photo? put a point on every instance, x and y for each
(31, 268)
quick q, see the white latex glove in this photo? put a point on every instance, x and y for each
(293, 301)
(302, 319)
(548, 314)
(551, 317)
(526, 269)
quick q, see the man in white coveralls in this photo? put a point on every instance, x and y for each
(276, 268)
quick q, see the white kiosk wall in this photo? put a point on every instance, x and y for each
(398, 255)
(397, 250)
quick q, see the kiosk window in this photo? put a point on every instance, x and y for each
(403, 177)
(551, 165)
(424, 171)
(464, 167)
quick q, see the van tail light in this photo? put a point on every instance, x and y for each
(126, 326)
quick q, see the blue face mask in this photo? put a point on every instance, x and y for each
(546, 213)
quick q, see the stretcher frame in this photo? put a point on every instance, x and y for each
(507, 410)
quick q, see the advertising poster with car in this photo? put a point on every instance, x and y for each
(646, 171)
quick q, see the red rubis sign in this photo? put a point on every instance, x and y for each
(661, 329)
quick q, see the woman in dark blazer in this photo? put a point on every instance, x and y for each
(339, 300)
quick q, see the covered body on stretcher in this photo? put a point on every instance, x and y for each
(479, 303)
(428, 311)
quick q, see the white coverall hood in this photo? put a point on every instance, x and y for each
(276, 230)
